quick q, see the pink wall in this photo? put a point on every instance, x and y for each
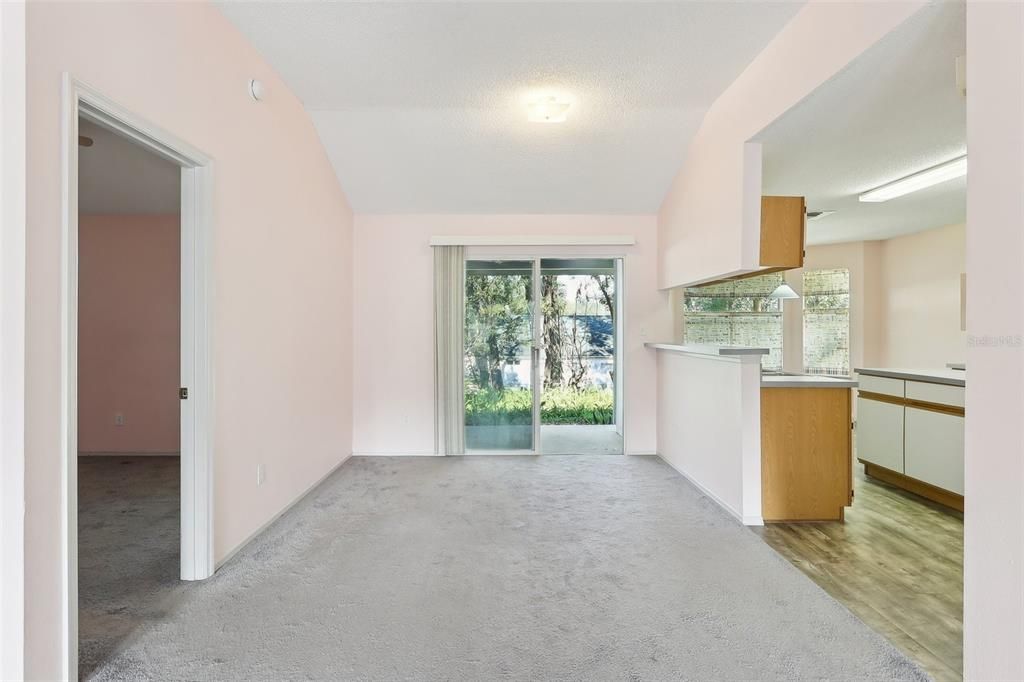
(128, 333)
(281, 267)
(394, 368)
(12, 339)
(919, 303)
(709, 223)
(994, 463)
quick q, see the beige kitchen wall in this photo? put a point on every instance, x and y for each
(904, 299)
(919, 302)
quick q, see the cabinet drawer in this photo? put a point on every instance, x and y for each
(880, 433)
(883, 385)
(936, 393)
(935, 449)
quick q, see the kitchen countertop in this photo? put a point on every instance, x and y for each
(950, 377)
(805, 381)
(702, 349)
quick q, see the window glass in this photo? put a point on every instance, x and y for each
(738, 313)
(826, 301)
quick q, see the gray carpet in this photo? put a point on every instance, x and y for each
(478, 568)
(128, 541)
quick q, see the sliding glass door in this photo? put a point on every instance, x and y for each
(541, 356)
(501, 356)
(580, 414)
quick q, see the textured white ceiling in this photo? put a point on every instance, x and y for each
(421, 104)
(118, 176)
(896, 110)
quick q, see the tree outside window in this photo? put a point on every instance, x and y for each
(826, 301)
(737, 313)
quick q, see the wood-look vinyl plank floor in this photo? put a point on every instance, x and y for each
(897, 563)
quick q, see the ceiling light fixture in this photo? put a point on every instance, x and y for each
(547, 110)
(950, 170)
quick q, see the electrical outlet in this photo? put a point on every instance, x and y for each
(260, 474)
(118, 419)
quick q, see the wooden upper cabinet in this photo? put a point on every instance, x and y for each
(782, 232)
(782, 237)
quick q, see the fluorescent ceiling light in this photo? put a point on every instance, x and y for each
(957, 168)
(784, 291)
(547, 110)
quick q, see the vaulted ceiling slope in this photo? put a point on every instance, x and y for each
(422, 105)
(894, 111)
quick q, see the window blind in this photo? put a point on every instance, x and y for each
(737, 313)
(826, 301)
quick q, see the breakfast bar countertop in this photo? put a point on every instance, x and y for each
(769, 380)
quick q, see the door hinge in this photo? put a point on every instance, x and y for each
(183, 393)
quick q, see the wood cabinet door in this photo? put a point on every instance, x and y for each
(935, 449)
(782, 232)
(880, 433)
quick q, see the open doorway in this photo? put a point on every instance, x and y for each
(136, 374)
(880, 153)
(542, 356)
(129, 366)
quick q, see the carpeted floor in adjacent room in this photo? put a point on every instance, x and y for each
(466, 568)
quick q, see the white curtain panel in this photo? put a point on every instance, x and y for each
(449, 318)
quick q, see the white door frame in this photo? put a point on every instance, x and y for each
(537, 355)
(197, 560)
(537, 339)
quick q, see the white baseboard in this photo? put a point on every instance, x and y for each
(230, 555)
(745, 520)
(130, 454)
(644, 453)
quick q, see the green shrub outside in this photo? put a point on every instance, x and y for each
(558, 406)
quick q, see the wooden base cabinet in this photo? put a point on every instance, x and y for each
(806, 455)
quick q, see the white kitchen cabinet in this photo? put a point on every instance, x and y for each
(934, 448)
(883, 385)
(910, 431)
(880, 433)
(936, 393)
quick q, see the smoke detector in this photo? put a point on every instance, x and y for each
(256, 89)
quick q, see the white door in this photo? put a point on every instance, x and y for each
(935, 449)
(880, 433)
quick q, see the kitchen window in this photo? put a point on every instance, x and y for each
(738, 313)
(826, 298)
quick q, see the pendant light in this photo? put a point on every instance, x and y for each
(784, 291)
